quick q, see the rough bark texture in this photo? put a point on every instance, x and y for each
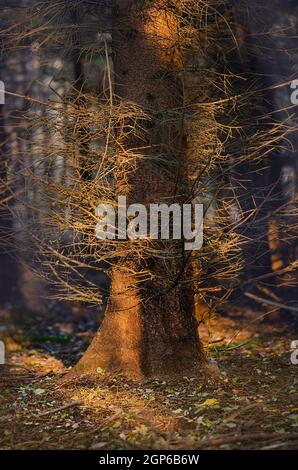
(149, 328)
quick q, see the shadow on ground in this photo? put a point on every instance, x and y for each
(250, 402)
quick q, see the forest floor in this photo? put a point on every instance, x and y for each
(250, 401)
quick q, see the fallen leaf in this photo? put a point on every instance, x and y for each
(209, 403)
(98, 445)
(38, 391)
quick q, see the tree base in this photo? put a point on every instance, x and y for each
(157, 339)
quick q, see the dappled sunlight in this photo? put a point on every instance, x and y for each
(148, 225)
(255, 392)
(242, 326)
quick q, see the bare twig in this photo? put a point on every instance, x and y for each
(270, 302)
(61, 408)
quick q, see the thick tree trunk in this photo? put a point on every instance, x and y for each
(149, 327)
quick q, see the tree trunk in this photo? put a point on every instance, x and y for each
(8, 266)
(149, 327)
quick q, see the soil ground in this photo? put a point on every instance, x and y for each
(250, 401)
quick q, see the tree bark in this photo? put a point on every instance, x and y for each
(149, 329)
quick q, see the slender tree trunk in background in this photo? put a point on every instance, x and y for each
(254, 176)
(149, 328)
(8, 267)
(268, 51)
